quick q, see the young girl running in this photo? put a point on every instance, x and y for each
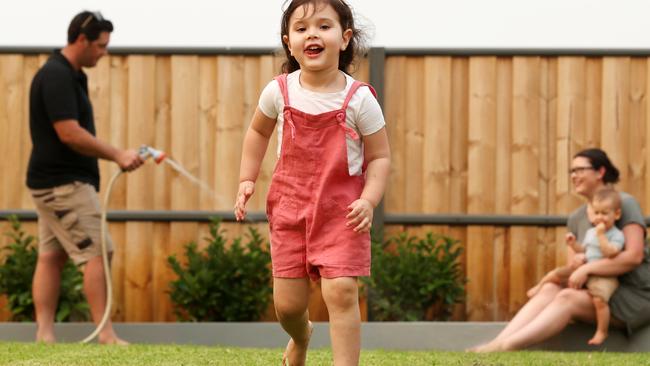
(333, 163)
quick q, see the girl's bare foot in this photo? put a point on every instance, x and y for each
(296, 352)
(598, 338)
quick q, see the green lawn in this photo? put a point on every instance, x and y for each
(76, 354)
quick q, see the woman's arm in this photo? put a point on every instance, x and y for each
(625, 261)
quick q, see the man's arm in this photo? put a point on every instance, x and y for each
(83, 142)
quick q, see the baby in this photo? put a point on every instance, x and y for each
(604, 240)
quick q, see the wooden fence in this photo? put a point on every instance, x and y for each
(469, 134)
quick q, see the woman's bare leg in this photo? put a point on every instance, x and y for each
(567, 305)
(525, 315)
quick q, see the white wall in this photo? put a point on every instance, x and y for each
(396, 24)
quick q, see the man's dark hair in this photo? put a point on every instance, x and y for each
(89, 23)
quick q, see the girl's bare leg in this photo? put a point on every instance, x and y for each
(341, 296)
(291, 298)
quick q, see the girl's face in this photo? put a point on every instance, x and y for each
(316, 38)
(586, 179)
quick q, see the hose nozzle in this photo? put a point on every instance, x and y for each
(148, 151)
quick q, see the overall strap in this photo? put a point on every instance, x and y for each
(341, 116)
(353, 89)
(282, 82)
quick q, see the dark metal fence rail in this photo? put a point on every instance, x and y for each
(257, 217)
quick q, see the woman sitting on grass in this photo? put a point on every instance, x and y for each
(553, 307)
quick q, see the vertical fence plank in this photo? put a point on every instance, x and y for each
(436, 117)
(458, 158)
(502, 193)
(395, 114)
(481, 185)
(636, 139)
(138, 294)
(184, 147)
(571, 124)
(208, 95)
(161, 273)
(616, 114)
(525, 182)
(11, 112)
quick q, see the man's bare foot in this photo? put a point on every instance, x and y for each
(45, 338)
(598, 338)
(296, 353)
(113, 340)
(533, 291)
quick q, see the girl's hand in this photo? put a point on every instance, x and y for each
(600, 229)
(246, 189)
(360, 215)
(578, 278)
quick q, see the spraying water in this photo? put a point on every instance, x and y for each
(179, 168)
(159, 156)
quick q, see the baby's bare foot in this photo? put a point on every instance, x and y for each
(598, 338)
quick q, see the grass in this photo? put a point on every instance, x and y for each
(77, 354)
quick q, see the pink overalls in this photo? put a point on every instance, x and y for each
(309, 194)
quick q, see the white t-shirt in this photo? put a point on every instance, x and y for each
(363, 114)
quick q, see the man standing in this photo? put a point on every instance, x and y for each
(63, 173)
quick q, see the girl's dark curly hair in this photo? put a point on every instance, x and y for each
(346, 18)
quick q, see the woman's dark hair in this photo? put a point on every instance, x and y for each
(346, 19)
(89, 23)
(599, 159)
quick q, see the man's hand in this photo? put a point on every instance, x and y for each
(128, 160)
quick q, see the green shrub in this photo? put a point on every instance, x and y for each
(17, 271)
(222, 283)
(412, 276)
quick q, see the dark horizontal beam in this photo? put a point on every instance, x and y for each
(517, 52)
(257, 217)
(392, 219)
(208, 51)
(253, 51)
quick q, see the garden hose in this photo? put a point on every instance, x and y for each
(145, 152)
(107, 270)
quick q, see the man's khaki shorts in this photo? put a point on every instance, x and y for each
(602, 287)
(69, 219)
